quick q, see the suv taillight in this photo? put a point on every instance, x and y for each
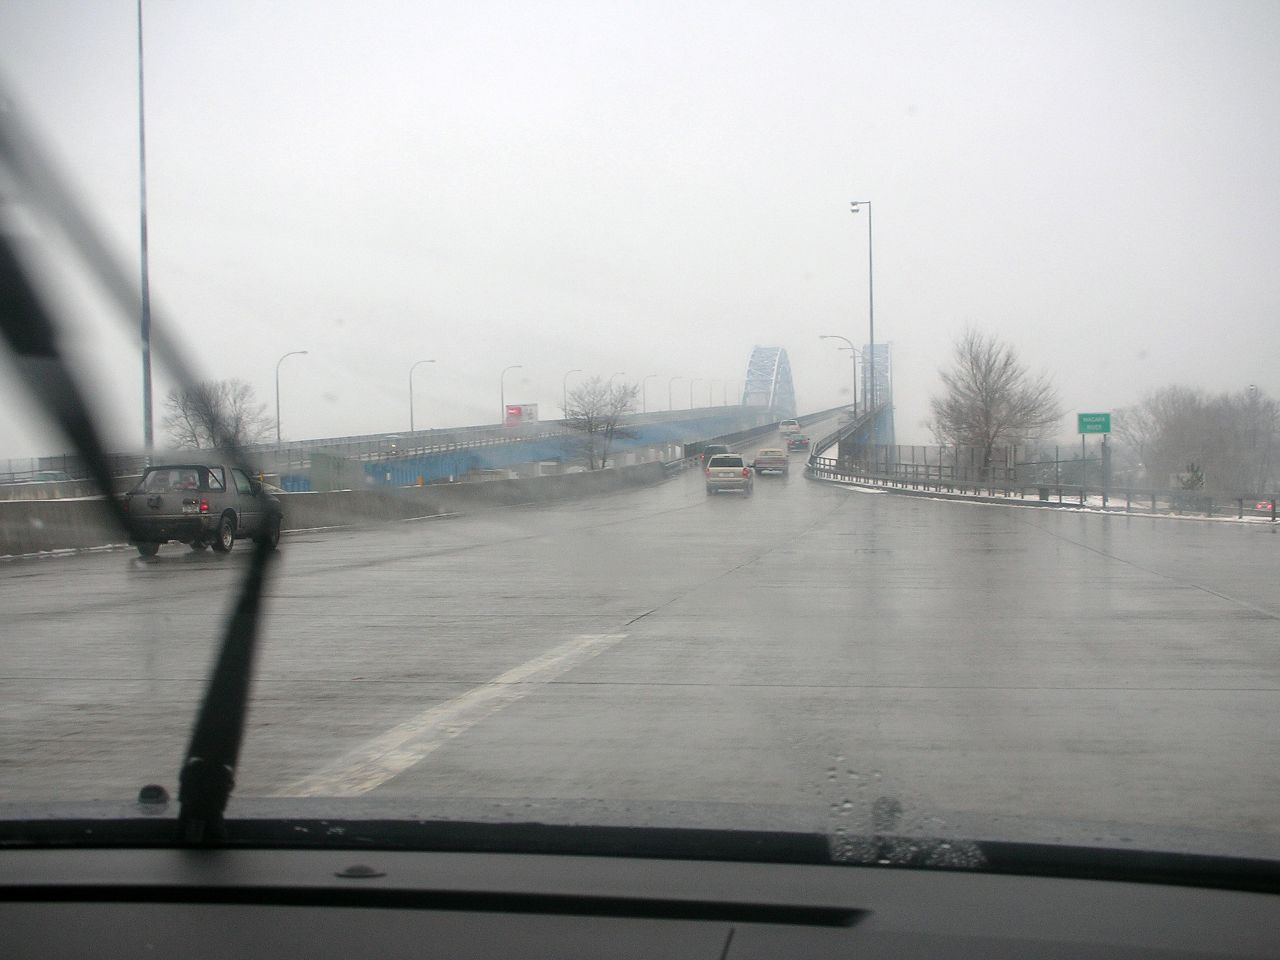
(707, 471)
(746, 472)
(204, 505)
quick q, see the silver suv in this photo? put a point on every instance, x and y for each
(201, 505)
(728, 471)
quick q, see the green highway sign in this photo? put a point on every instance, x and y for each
(1093, 422)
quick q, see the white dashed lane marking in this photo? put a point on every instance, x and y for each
(408, 743)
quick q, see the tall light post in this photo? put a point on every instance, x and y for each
(855, 207)
(853, 357)
(564, 391)
(670, 383)
(416, 363)
(691, 383)
(502, 391)
(620, 373)
(291, 353)
(148, 429)
(644, 396)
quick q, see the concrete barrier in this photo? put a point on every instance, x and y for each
(35, 526)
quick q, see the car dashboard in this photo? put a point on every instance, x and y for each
(272, 903)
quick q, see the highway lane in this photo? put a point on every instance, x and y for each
(809, 649)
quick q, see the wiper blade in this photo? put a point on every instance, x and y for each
(30, 331)
(208, 771)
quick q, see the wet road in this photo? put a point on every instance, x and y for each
(808, 648)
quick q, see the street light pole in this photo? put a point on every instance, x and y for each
(670, 383)
(853, 357)
(502, 391)
(644, 395)
(411, 369)
(620, 373)
(564, 391)
(871, 300)
(148, 428)
(291, 353)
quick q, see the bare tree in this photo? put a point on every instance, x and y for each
(594, 410)
(991, 398)
(215, 413)
(1232, 439)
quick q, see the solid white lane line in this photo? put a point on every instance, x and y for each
(406, 744)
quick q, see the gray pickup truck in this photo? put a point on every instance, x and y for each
(203, 505)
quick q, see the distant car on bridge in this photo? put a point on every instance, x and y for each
(772, 459)
(713, 449)
(797, 441)
(789, 427)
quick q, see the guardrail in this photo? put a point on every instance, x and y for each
(1136, 500)
(295, 454)
(844, 430)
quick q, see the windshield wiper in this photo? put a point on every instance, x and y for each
(31, 333)
(208, 771)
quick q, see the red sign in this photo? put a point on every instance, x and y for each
(520, 413)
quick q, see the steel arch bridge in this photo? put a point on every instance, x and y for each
(768, 382)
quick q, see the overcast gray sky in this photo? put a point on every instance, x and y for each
(656, 187)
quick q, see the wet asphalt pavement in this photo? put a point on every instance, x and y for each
(809, 647)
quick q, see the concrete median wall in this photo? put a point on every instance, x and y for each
(36, 526)
(340, 507)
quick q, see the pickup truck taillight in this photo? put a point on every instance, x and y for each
(204, 504)
(746, 471)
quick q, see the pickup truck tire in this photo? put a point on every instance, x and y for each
(147, 549)
(225, 536)
(270, 537)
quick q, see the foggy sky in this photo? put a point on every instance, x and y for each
(654, 188)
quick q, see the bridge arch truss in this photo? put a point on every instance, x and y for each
(768, 382)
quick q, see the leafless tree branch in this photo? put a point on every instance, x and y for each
(990, 398)
(215, 413)
(594, 411)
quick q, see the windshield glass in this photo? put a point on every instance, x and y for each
(473, 298)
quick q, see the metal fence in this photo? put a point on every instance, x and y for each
(28, 470)
(1005, 464)
(941, 477)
